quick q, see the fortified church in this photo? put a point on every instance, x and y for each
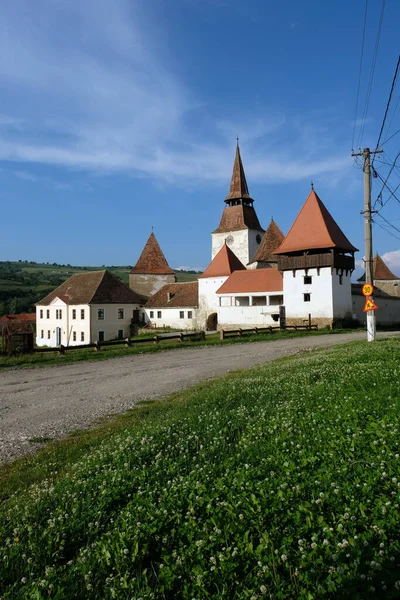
(256, 278)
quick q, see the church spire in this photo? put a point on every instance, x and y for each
(238, 192)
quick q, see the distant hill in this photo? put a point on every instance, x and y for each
(23, 283)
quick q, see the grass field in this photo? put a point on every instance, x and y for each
(278, 482)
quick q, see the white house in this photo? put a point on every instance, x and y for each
(88, 307)
(250, 299)
(175, 305)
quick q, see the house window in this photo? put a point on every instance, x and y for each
(159, 314)
(340, 279)
(120, 313)
(48, 334)
(82, 336)
(58, 313)
(74, 336)
(307, 297)
(48, 314)
(74, 313)
(307, 280)
(120, 334)
(181, 314)
(101, 336)
(100, 314)
(42, 333)
(190, 314)
(41, 313)
(152, 314)
(82, 313)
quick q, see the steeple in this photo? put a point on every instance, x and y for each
(238, 191)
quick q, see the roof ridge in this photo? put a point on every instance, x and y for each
(94, 292)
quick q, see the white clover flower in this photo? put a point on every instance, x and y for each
(283, 557)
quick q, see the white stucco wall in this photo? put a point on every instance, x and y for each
(67, 324)
(111, 323)
(342, 303)
(171, 317)
(244, 243)
(320, 290)
(89, 326)
(244, 310)
(388, 312)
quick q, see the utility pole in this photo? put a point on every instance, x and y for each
(367, 212)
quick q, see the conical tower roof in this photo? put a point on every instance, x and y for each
(238, 189)
(223, 263)
(272, 239)
(152, 259)
(313, 229)
(380, 270)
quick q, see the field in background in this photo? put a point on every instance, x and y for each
(278, 482)
(24, 283)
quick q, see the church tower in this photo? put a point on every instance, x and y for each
(239, 227)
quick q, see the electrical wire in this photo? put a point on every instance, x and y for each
(392, 136)
(359, 72)
(371, 77)
(387, 105)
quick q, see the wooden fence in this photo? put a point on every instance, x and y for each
(224, 333)
(127, 342)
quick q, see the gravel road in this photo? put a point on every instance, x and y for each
(53, 401)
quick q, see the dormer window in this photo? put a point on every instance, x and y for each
(170, 296)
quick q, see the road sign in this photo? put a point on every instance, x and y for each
(369, 305)
(367, 289)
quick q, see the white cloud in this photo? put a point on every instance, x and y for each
(103, 98)
(392, 259)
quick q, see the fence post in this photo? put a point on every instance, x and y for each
(61, 349)
(309, 321)
(270, 329)
(181, 337)
(97, 346)
(128, 342)
(222, 334)
(256, 330)
(156, 339)
(202, 335)
(240, 334)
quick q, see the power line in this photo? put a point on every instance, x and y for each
(392, 136)
(388, 222)
(386, 185)
(388, 104)
(359, 72)
(371, 77)
(387, 230)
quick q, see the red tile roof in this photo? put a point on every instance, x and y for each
(176, 295)
(238, 188)
(314, 228)
(271, 241)
(236, 218)
(252, 281)
(223, 263)
(152, 259)
(93, 287)
(21, 317)
(380, 270)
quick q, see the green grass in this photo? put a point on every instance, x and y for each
(89, 354)
(278, 482)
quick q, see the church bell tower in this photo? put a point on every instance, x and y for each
(239, 227)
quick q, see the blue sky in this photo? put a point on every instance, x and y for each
(119, 116)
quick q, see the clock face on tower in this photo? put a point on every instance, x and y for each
(229, 240)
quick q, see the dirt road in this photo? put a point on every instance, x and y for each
(52, 401)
